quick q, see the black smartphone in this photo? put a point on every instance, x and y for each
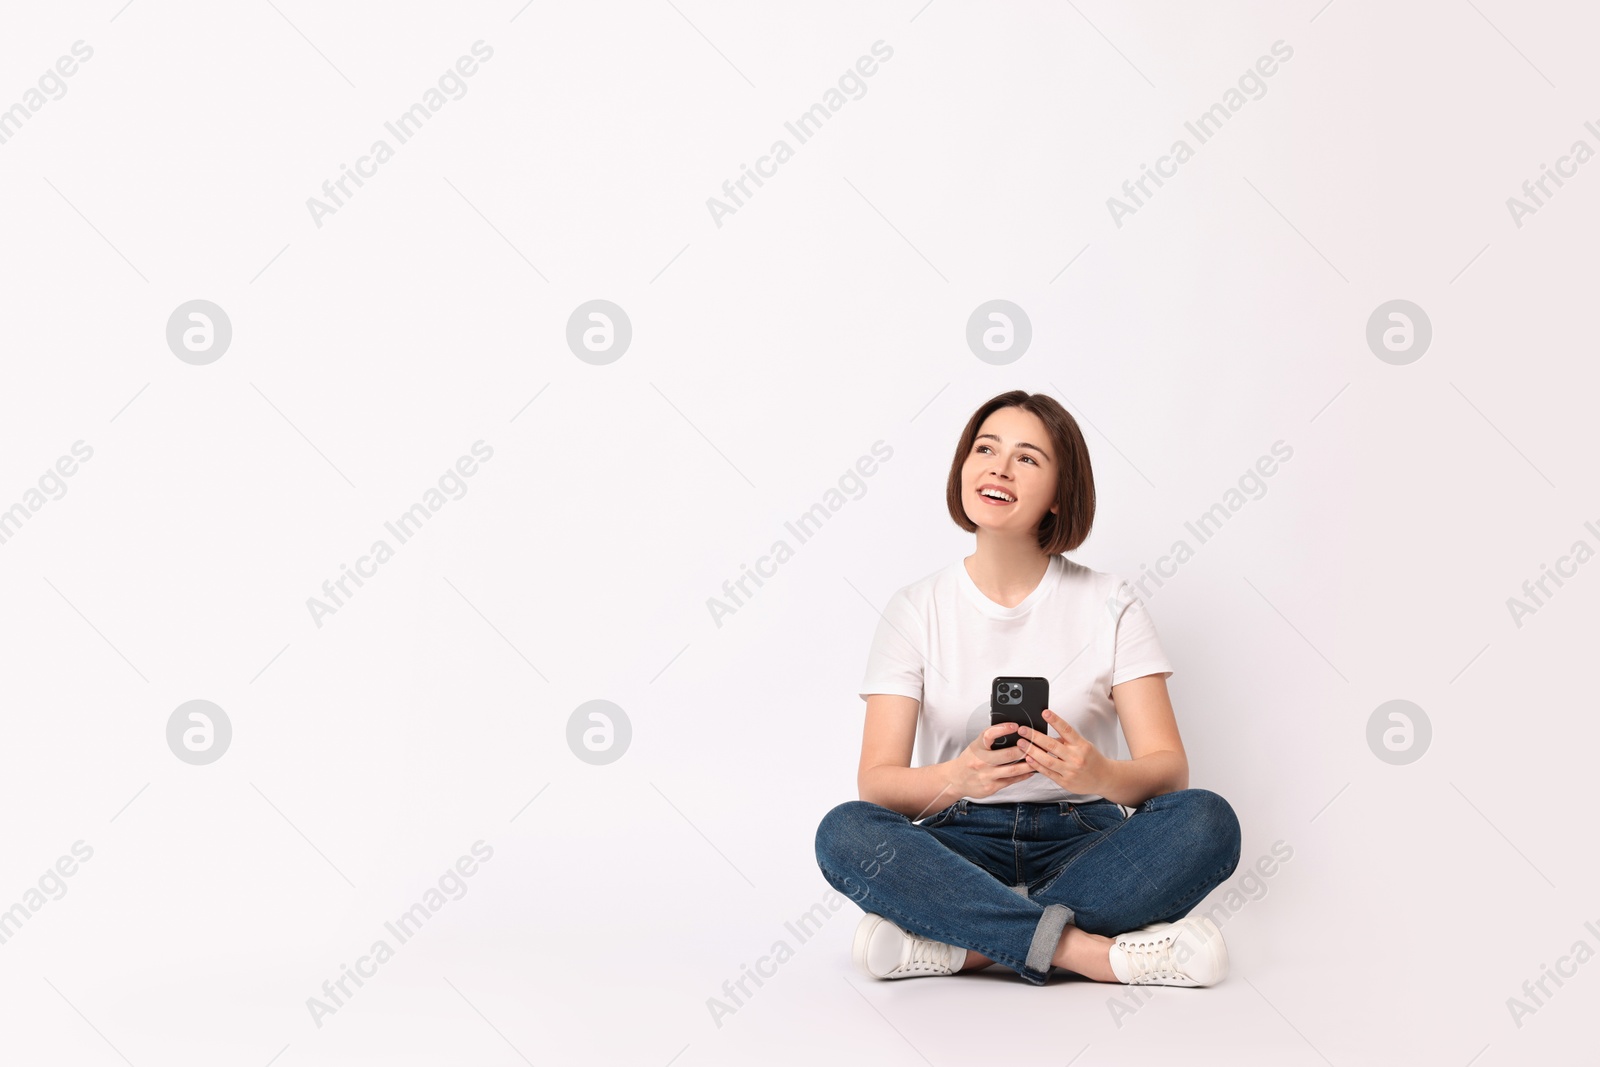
(1018, 700)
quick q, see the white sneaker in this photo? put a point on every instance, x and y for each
(883, 950)
(1189, 952)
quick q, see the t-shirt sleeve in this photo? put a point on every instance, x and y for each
(894, 662)
(1138, 649)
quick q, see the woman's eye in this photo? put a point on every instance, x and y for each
(1030, 459)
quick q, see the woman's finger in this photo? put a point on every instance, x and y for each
(1045, 742)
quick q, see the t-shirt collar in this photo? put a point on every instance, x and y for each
(978, 600)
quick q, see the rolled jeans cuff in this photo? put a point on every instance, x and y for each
(1046, 936)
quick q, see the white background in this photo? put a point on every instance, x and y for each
(768, 355)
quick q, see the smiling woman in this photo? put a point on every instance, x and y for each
(1004, 868)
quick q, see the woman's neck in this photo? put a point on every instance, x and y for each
(1007, 577)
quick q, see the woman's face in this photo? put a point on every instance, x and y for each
(1012, 452)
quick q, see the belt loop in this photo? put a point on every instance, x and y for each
(961, 805)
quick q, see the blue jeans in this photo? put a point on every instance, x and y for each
(1004, 880)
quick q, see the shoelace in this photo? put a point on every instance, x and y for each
(1150, 957)
(923, 954)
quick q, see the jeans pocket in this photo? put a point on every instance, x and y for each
(939, 818)
(1097, 816)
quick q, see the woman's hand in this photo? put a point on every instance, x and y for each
(1070, 760)
(981, 771)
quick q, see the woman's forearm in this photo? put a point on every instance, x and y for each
(914, 792)
(1130, 782)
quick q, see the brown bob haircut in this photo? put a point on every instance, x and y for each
(1075, 480)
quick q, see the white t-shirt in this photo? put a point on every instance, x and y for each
(942, 642)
